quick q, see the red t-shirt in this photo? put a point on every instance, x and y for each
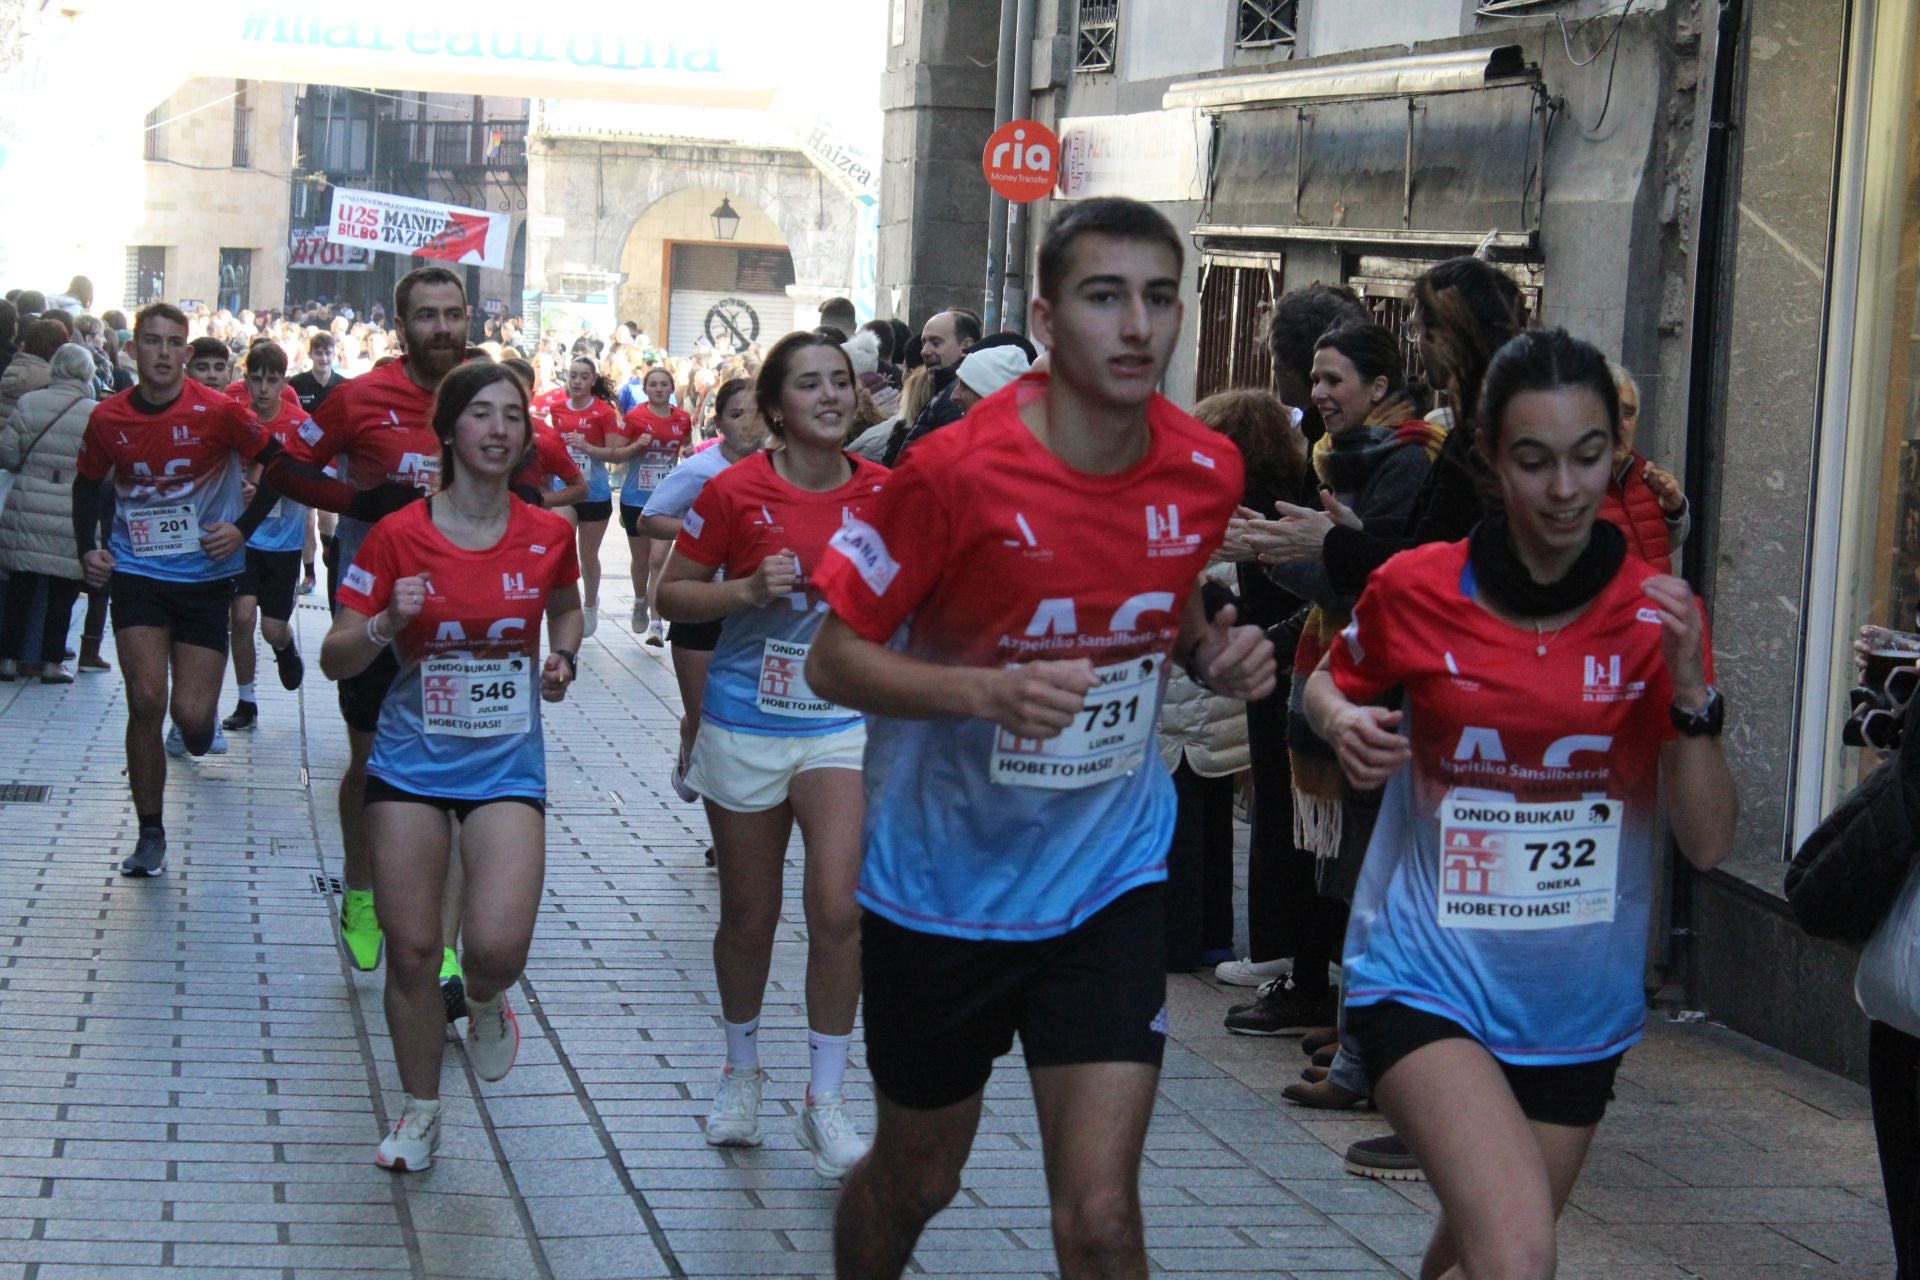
(175, 473)
(288, 396)
(381, 421)
(548, 461)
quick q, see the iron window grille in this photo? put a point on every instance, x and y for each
(1099, 32)
(1267, 23)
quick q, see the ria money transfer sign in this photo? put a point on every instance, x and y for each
(401, 224)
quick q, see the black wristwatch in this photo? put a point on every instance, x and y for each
(1703, 723)
(573, 662)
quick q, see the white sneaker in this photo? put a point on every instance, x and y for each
(592, 613)
(176, 745)
(734, 1120)
(409, 1148)
(493, 1037)
(1249, 973)
(219, 747)
(639, 619)
(656, 633)
(824, 1129)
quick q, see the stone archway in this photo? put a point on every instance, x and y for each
(622, 179)
(681, 217)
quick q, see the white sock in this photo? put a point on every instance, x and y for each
(743, 1044)
(827, 1060)
(246, 693)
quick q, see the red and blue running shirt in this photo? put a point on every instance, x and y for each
(593, 422)
(1001, 554)
(462, 718)
(383, 423)
(745, 514)
(647, 468)
(549, 465)
(1509, 878)
(285, 528)
(176, 472)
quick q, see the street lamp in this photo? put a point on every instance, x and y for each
(726, 223)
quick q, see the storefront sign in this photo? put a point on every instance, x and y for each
(1154, 155)
(400, 224)
(1022, 160)
(312, 251)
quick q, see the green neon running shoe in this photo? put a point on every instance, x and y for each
(453, 985)
(360, 928)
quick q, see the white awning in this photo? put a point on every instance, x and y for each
(1416, 74)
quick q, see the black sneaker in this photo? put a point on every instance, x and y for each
(1284, 1010)
(149, 856)
(1384, 1158)
(290, 665)
(243, 716)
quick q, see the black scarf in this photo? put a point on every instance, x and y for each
(1498, 571)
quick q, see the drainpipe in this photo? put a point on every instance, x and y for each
(1709, 282)
(1013, 311)
(997, 206)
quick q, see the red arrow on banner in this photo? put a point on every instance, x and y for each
(464, 233)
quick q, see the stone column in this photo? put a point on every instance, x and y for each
(938, 98)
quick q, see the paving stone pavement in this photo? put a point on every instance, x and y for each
(194, 1079)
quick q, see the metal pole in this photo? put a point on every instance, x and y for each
(997, 206)
(1014, 308)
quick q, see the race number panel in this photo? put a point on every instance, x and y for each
(1527, 866)
(476, 698)
(1108, 738)
(163, 529)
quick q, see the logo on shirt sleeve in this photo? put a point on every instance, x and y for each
(866, 550)
(358, 579)
(694, 524)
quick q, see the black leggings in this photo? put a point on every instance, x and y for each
(1893, 1083)
(21, 589)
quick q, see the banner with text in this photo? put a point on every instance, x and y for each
(401, 224)
(312, 251)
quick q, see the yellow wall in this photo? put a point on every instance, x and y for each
(197, 203)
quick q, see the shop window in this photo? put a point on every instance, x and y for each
(1099, 33)
(1236, 303)
(146, 273)
(1266, 23)
(236, 279)
(1865, 535)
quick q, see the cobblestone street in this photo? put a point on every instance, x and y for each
(194, 1079)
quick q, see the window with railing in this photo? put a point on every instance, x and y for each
(1099, 35)
(155, 146)
(242, 127)
(1236, 305)
(1266, 23)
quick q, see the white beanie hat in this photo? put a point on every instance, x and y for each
(986, 371)
(864, 350)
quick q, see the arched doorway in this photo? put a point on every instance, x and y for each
(682, 282)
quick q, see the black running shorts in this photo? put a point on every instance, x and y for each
(594, 512)
(361, 695)
(195, 612)
(272, 578)
(939, 1010)
(630, 520)
(1575, 1095)
(379, 789)
(695, 637)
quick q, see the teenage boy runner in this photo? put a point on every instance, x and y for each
(177, 451)
(266, 588)
(1046, 550)
(380, 422)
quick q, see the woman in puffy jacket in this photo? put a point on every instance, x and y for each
(39, 443)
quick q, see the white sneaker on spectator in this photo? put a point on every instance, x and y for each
(824, 1129)
(734, 1120)
(1250, 973)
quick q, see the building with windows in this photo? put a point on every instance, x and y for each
(215, 161)
(1719, 193)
